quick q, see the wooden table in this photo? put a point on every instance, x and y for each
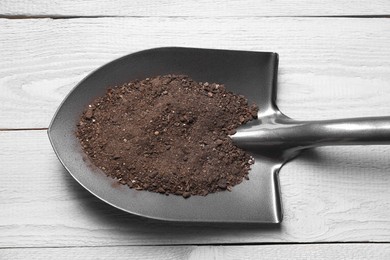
(334, 63)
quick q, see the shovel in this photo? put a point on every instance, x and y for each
(272, 139)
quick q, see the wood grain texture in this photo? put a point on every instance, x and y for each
(328, 67)
(329, 195)
(265, 252)
(196, 8)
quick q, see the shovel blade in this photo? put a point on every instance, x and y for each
(252, 74)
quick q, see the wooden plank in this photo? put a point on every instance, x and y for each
(329, 195)
(271, 252)
(193, 8)
(335, 67)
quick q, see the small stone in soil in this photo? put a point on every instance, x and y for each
(222, 183)
(186, 194)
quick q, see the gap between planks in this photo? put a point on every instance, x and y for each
(195, 8)
(179, 16)
(335, 251)
(211, 244)
(23, 129)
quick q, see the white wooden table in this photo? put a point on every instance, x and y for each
(334, 63)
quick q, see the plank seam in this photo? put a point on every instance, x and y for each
(22, 129)
(59, 17)
(213, 244)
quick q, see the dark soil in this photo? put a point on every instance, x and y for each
(168, 134)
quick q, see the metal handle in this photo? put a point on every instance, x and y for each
(305, 134)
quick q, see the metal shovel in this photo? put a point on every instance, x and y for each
(272, 139)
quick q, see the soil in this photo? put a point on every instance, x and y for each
(168, 134)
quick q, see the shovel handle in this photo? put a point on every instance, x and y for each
(306, 134)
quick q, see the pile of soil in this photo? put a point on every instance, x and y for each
(168, 134)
